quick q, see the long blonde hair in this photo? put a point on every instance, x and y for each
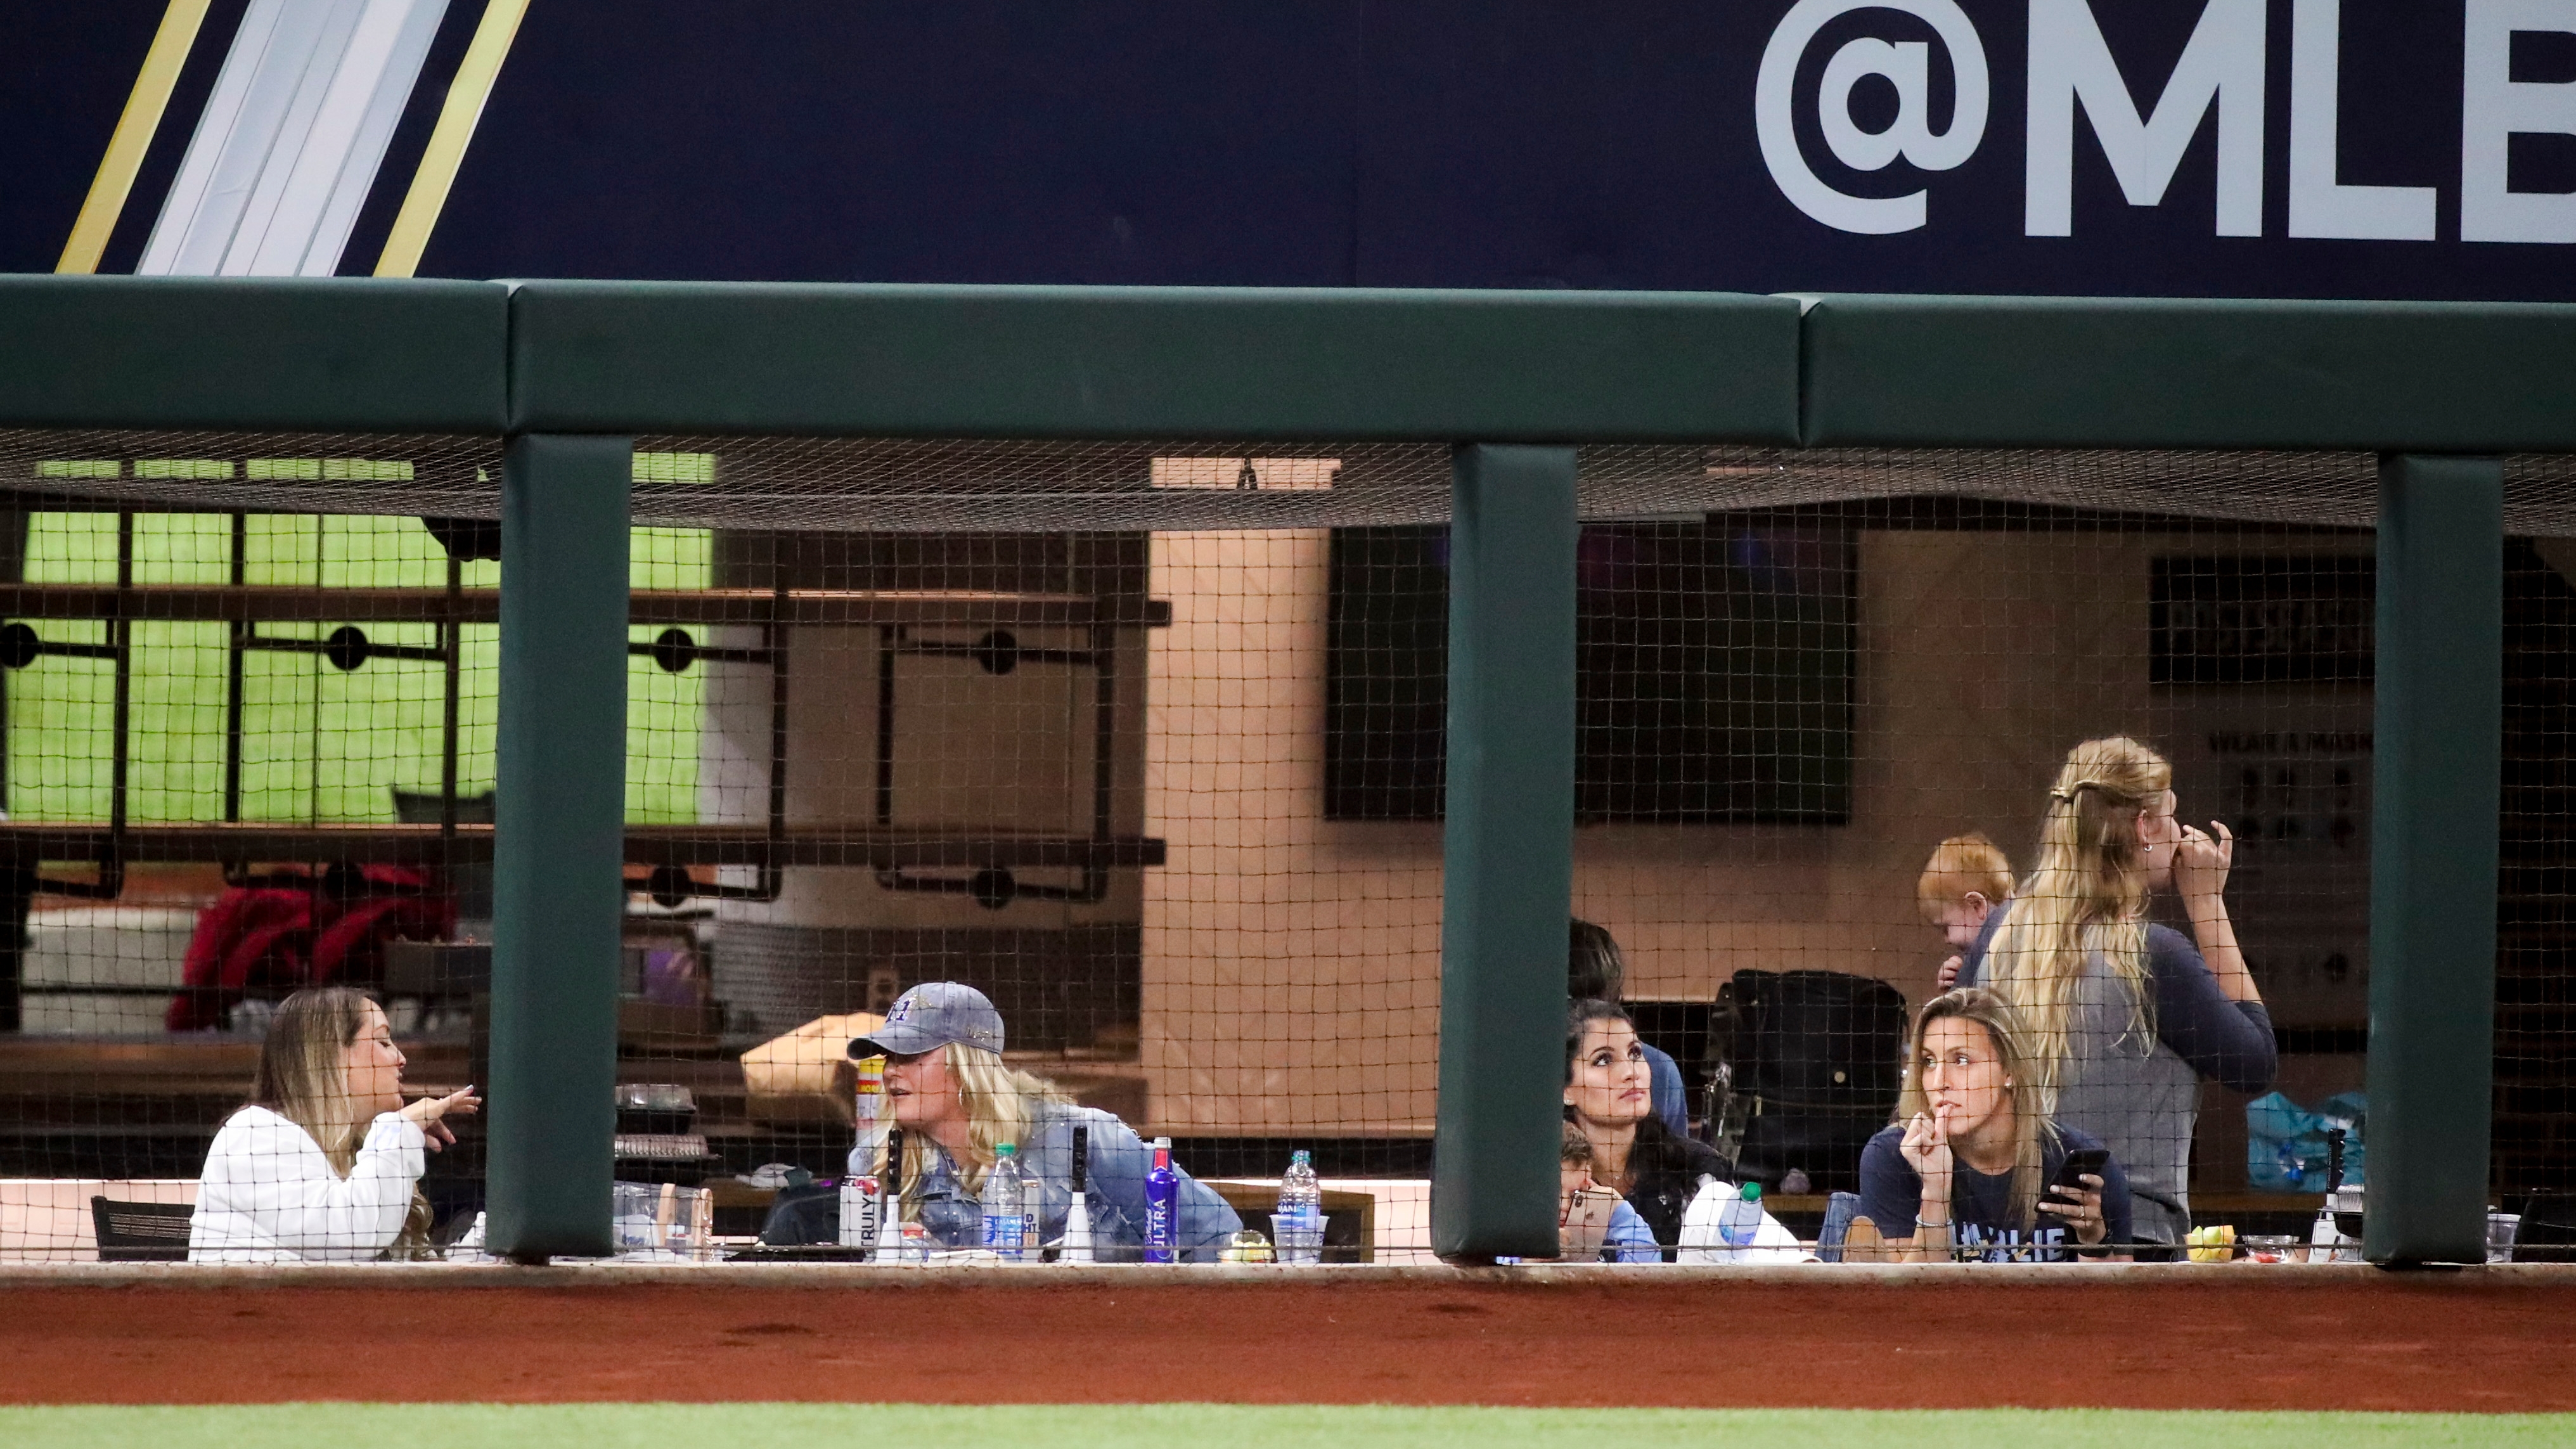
(2028, 1096)
(1001, 1103)
(303, 1077)
(2086, 897)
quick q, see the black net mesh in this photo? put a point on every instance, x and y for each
(1145, 743)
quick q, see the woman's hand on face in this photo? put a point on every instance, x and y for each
(2084, 1214)
(428, 1112)
(2201, 861)
(1927, 1148)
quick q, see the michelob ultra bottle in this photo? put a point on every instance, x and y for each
(1162, 1206)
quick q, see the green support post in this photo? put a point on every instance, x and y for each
(558, 845)
(1508, 845)
(2436, 787)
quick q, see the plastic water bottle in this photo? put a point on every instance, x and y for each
(1740, 1221)
(1301, 1211)
(1162, 1206)
(1005, 1201)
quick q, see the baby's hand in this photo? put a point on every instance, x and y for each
(1950, 969)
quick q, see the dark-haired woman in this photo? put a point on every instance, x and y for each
(1597, 970)
(324, 1162)
(1609, 1095)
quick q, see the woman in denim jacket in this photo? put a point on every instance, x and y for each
(956, 1100)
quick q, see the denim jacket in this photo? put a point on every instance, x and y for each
(1114, 1192)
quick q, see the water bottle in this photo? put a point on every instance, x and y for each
(1739, 1222)
(1005, 1201)
(1301, 1212)
(1162, 1206)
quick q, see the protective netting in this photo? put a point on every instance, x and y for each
(1039, 486)
(1144, 743)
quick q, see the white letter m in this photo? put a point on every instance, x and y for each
(2222, 63)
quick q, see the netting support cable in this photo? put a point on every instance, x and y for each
(558, 845)
(239, 632)
(2439, 724)
(451, 649)
(1508, 851)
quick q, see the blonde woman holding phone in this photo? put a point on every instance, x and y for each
(1972, 1166)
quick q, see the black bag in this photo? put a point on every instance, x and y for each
(1817, 1060)
(804, 1215)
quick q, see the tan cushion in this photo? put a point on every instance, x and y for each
(806, 1075)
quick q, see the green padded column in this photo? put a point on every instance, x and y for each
(1508, 851)
(558, 846)
(2440, 727)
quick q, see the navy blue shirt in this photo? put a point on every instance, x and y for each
(1981, 1218)
(1664, 1080)
(2229, 1042)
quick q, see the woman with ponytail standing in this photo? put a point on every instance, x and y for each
(2123, 1018)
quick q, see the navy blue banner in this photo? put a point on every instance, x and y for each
(2292, 148)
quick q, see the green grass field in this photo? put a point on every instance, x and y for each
(653, 1426)
(317, 744)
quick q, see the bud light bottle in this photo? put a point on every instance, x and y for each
(1162, 1206)
(1005, 1203)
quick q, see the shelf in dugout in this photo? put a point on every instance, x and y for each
(265, 603)
(28, 842)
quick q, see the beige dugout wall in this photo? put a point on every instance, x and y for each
(1291, 963)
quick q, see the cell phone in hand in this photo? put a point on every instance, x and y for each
(2083, 1161)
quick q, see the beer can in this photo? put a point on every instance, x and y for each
(860, 1203)
(870, 1094)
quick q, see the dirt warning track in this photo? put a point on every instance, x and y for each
(2219, 1339)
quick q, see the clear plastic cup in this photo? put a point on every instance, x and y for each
(1298, 1239)
(2502, 1228)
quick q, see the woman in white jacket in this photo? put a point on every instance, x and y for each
(324, 1163)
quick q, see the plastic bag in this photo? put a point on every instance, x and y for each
(1772, 1242)
(2285, 1143)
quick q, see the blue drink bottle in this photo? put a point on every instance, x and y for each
(1162, 1205)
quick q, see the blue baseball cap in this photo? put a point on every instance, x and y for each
(934, 1014)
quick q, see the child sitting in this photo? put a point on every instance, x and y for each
(1590, 1217)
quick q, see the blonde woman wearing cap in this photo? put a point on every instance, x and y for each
(2123, 1018)
(957, 1102)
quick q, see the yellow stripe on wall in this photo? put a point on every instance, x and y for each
(447, 142)
(134, 130)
